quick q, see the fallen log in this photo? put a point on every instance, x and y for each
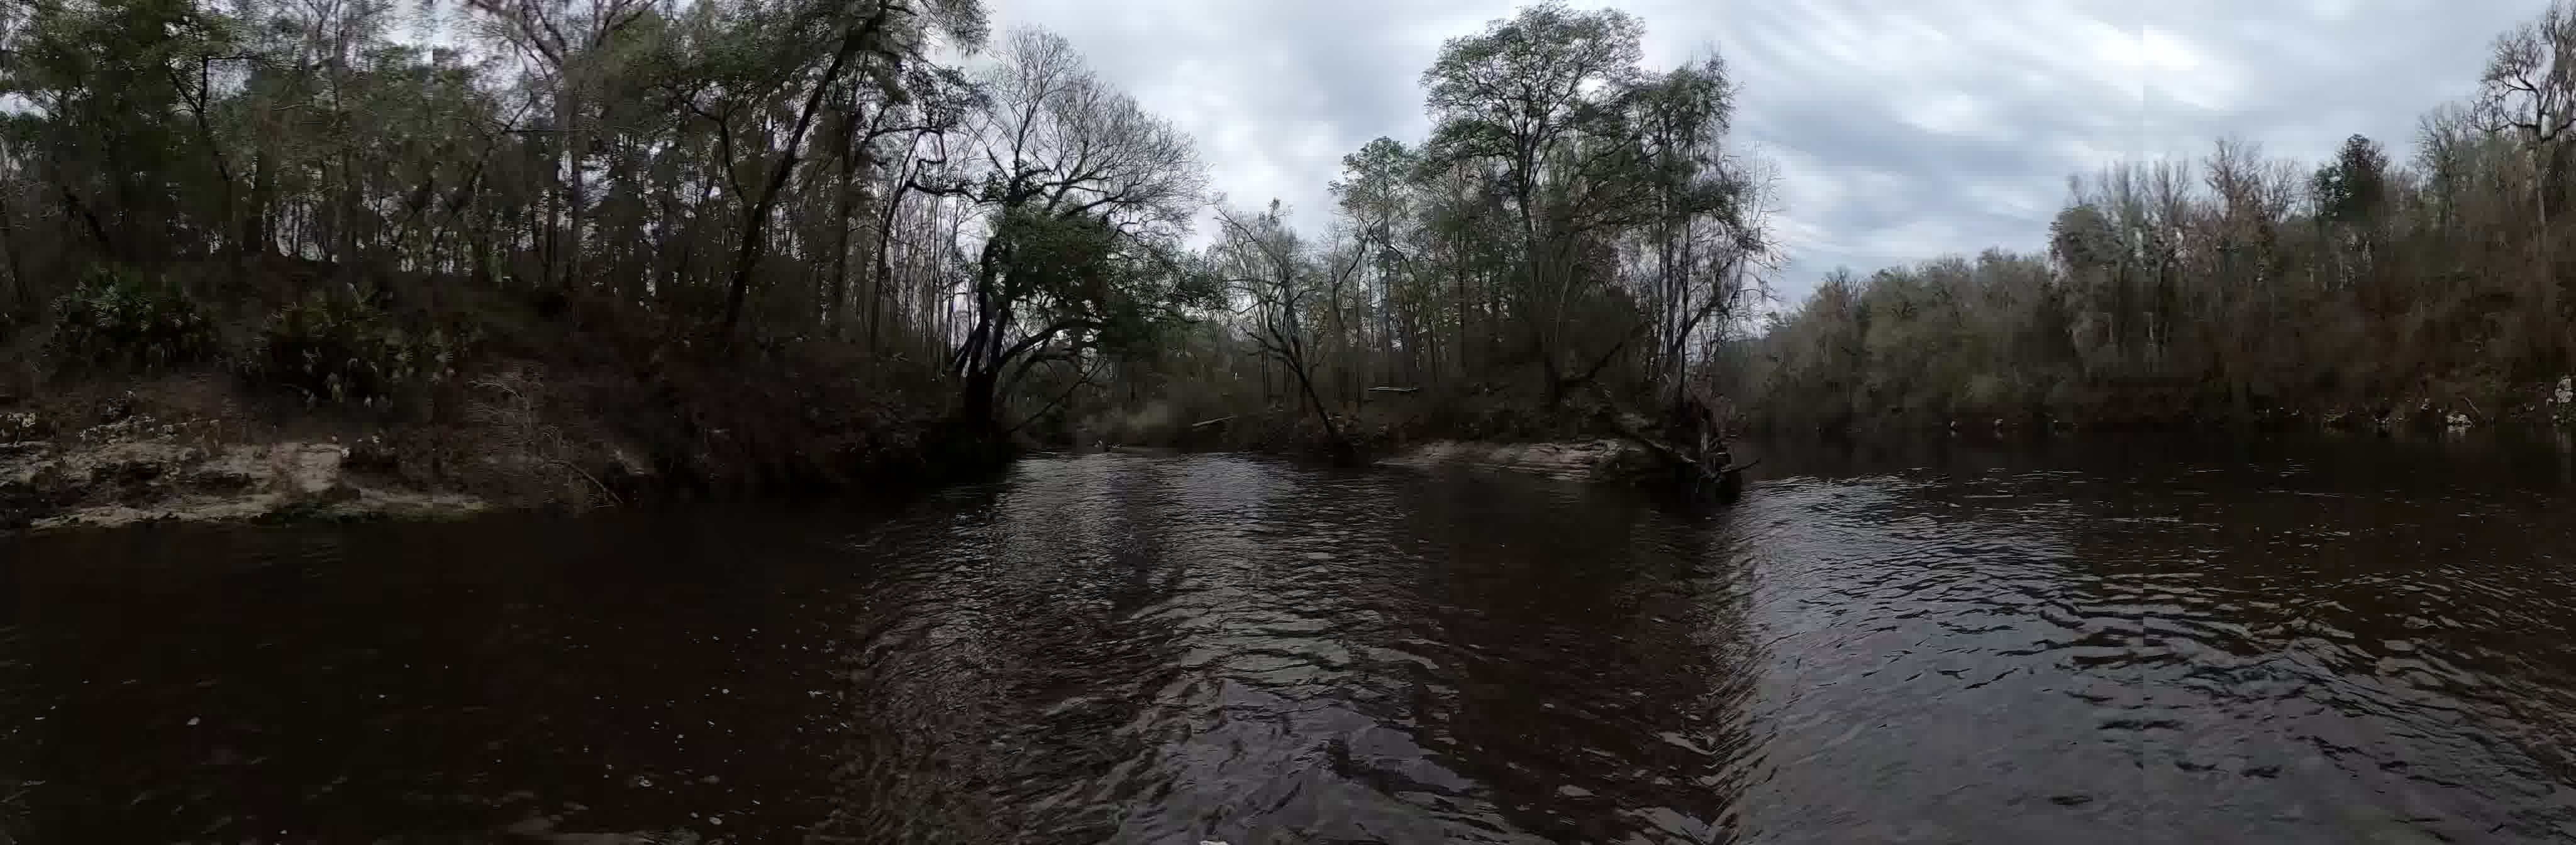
(1696, 475)
(1206, 423)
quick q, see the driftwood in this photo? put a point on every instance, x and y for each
(1694, 469)
(1662, 449)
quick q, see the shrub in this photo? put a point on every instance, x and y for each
(531, 456)
(341, 349)
(119, 316)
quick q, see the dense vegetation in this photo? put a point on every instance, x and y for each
(2238, 287)
(1575, 227)
(674, 230)
(788, 243)
(728, 231)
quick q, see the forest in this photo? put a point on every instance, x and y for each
(799, 243)
(761, 239)
(2428, 286)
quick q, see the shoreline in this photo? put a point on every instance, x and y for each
(140, 474)
(316, 468)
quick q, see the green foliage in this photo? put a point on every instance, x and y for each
(1079, 270)
(123, 317)
(341, 349)
(1515, 88)
(2354, 186)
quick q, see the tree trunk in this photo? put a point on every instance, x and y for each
(978, 405)
(89, 222)
(256, 237)
(9, 245)
(1460, 269)
(575, 193)
(548, 233)
(883, 271)
(756, 217)
(1306, 383)
(214, 151)
(845, 212)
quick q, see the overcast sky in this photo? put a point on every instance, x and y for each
(1899, 130)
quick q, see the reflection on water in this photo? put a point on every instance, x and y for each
(2092, 641)
(1156, 650)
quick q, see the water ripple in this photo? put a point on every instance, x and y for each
(1950, 646)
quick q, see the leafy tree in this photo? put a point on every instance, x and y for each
(1540, 96)
(1085, 194)
(2354, 187)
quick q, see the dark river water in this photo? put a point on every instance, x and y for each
(2089, 641)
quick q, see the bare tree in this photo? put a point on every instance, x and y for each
(2529, 89)
(1266, 267)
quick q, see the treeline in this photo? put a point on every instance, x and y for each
(714, 181)
(694, 161)
(1575, 225)
(2237, 286)
(293, 187)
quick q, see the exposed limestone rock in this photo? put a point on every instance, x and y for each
(132, 471)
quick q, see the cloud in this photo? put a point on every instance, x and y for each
(1900, 132)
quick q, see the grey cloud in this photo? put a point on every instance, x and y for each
(1276, 93)
(1900, 131)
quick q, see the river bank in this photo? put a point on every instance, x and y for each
(273, 396)
(196, 447)
(514, 453)
(281, 401)
(1585, 435)
(155, 478)
(2535, 407)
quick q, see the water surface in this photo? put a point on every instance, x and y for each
(2089, 641)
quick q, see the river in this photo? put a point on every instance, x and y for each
(2086, 641)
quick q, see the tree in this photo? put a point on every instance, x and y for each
(108, 81)
(2354, 187)
(1372, 195)
(566, 43)
(885, 30)
(1085, 195)
(2529, 90)
(1706, 235)
(2350, 195)
(1541, 96)
(1266, 266)
(1571, 217)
